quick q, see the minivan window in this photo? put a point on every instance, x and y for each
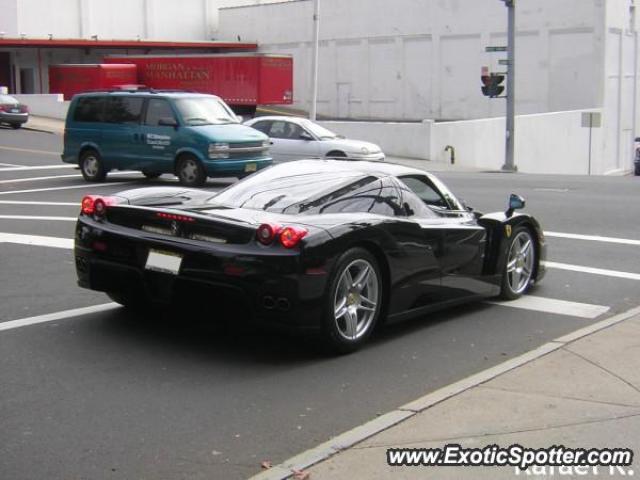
(89, 109)
(123, 110)
(204, 111)
(158, 108)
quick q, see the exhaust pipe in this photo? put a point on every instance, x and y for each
(283, 304)
(268, 302)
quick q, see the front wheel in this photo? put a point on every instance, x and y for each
(190, 171)
(354, 301)
(92, 167)
(517, 276)
(16, 126)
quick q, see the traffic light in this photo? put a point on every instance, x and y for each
(492, 85)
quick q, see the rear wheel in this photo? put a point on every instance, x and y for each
(16, 126)
(353, 302)
(127, 300)
(190, 171)
(517, 276)
(92, 167)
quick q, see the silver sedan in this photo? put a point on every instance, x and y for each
(12, 112)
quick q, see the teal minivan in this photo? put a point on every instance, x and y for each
(193, 136)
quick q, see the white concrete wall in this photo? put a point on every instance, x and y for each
(411, 140)
(416, 59)
(47, 105)
(551, 143)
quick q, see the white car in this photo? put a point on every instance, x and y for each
(294, 138)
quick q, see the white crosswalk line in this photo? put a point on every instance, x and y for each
(19, 168)
(26, 202)
(552, 305)
(38, 217)
(54, 177)
(37, 240)
(72, 187)
(52, 317)
(593, 271)
(592, 238)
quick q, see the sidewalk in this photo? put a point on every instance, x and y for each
(579, 391)
(44, 124)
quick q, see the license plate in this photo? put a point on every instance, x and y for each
(15, 110)
(164, 262)
(250, 167)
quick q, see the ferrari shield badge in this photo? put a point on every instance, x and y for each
(507, 230)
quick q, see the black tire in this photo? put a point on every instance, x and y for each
(150, 175)
(127, 300)
(334, 327)
(336, 154)
(527, 266)
(190, 172)
(16, 126)
(92, 167)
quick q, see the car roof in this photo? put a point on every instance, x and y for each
(146, 93)
(278, 117)
(353, 166)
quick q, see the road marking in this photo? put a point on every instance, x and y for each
(29, 150)
(367, 430)
(20, 168)
(36, 240)
(52, 317)
(25, 202)
(10, 165)
(552, 305)
(38, 217)
(594, 271)
(84, 185)
(53, 177)
(593, 238)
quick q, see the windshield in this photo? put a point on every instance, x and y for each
(320, 132)
(7, 99)
(204, 111)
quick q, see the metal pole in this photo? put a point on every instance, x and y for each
(314, 60)
(509, 164)
(634, 120)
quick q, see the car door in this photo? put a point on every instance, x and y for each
(458, 240)
(158, 143)
(264, 126)
(291, 141)
(120, 131)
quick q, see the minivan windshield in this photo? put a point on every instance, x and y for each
(204, 111)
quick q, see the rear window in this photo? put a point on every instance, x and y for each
(7, 99)
(89, 109)
(314, 193)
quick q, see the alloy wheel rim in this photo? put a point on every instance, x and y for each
(91, 166)
(356, 299)
(189, 171)
(520, 262)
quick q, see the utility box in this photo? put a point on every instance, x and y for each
(76, 78)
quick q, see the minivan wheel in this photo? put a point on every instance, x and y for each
(92, 167)
(190, 171)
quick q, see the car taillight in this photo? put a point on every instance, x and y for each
(3, 108)
(291, 236)
(266, 233)
(97, 205)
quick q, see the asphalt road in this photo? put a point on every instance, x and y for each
(111, 395)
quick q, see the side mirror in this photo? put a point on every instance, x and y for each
(240, 118)
(516, 202)
(306, 136)
(168, 122)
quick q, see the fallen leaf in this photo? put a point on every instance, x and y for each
(301, 474)
(266, 465)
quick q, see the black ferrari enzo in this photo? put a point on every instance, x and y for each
(329, 245)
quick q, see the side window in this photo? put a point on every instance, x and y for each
(425, 192)
(89, 109)
(157, 108)
(381, 197)
(278, 130)
(263, 126)
(123, 109)
(413, 206)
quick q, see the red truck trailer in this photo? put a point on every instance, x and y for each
(71, 79)
(243, 80)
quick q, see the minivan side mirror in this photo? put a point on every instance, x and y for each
(167, 122)
(516, 202)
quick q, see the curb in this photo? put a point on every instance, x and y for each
(358, 434)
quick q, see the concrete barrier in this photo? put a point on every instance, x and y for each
(45, 105)
(410, 140)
